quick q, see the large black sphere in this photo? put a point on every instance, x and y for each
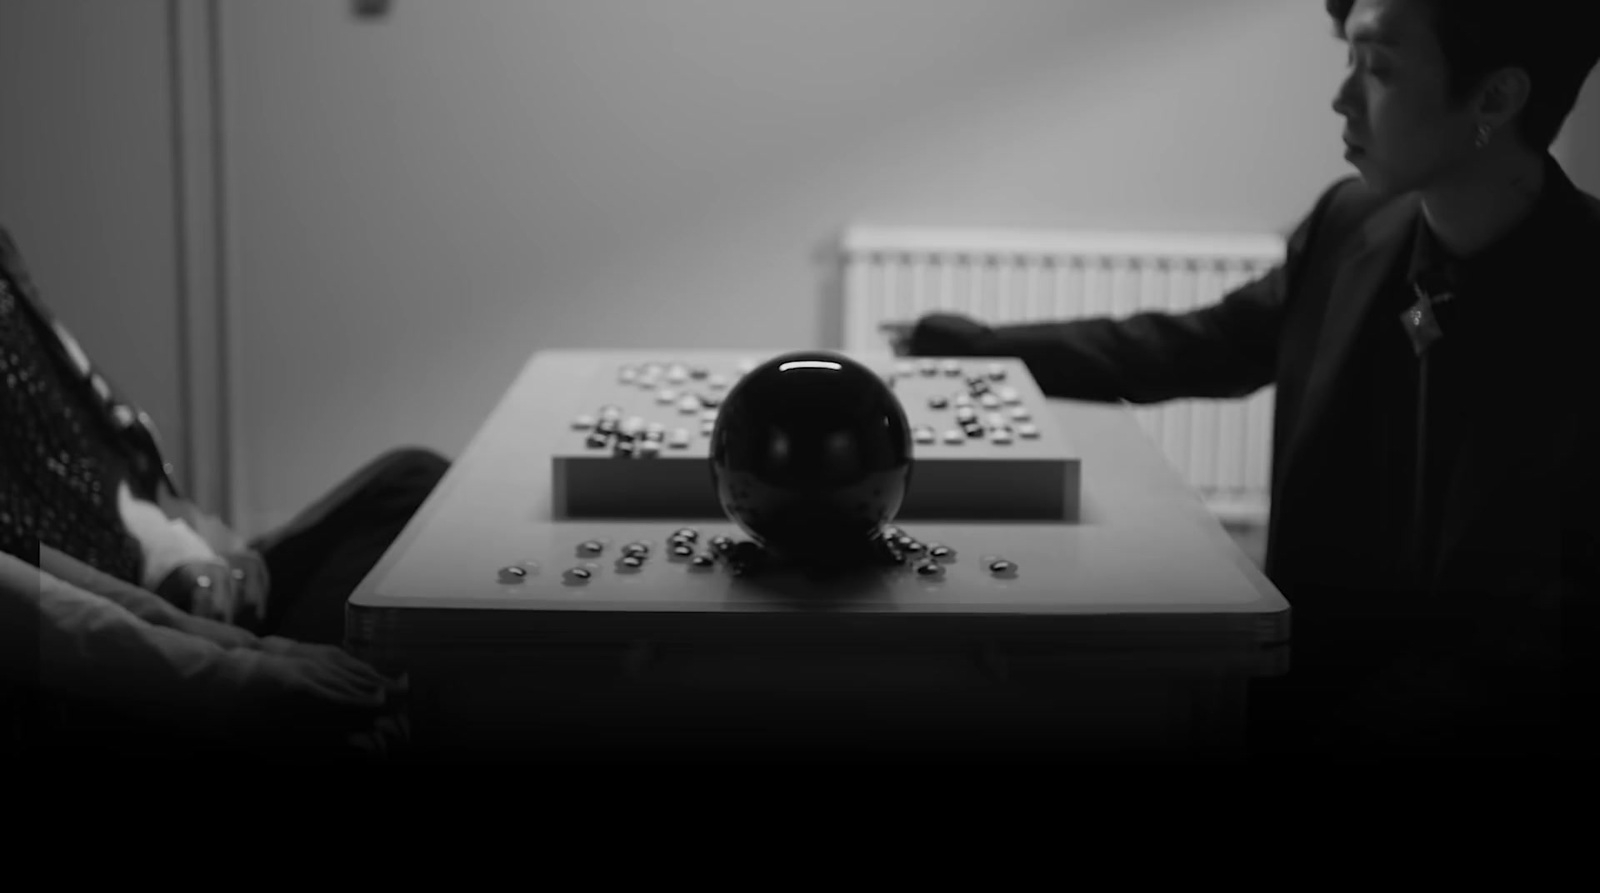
(811, 456)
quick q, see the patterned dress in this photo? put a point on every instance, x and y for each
(66, 440)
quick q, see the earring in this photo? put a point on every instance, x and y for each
(1484, 132)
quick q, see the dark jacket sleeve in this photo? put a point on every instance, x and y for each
(1227, 349)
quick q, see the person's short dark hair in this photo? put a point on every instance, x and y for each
(1554, 41)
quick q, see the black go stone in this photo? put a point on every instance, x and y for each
(577, 574)
(636, 550)
(607, 426)
(938, 402)
(683, 551)
(686, 533)
(512, 574)
(598, 441)
(591, 547)
(699, 372)
(930, 569)
(1002, 568)
(702, 562)
(630, 563)
(973, 430)
(722, 544)
(941, 552)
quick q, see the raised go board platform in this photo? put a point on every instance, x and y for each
(637, 440)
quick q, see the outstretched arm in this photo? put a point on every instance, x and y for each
(141, 603)
(75, 643)
(69, 642)
(1228, 349)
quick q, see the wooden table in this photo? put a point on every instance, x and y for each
(1133, 631)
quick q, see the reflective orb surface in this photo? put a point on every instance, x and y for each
(811, 456)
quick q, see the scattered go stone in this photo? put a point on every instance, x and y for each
(1002, 568)
(591, 547)
(513, 574)
(577, 574)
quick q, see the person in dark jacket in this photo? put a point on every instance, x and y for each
(1435, 516)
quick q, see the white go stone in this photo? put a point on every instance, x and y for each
(707, 427)
(995, 420)
(633, 425)
(1000, 435)
(678, 374)
(583, 422)
(925, 435)
(963, 400)
(989, 401)
(1010, 395)
(928, 367)
(1021, 414)
(997, 371)
(666, 395)
(717, 382)
(905, 367)
(650, 447)
(955, 437)
(679, 438)
(610, 412)
(1028, 430)
(654, 428)
(688, 405)
(627, 374)
(709, 415)
(951, 367)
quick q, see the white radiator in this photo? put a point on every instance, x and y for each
(893, 275)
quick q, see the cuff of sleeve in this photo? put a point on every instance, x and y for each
(949, 335)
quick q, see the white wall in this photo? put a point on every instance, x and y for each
(421, 202)
(86, 184)
(1578, 146)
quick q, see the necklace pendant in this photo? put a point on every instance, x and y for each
(1420, 323)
